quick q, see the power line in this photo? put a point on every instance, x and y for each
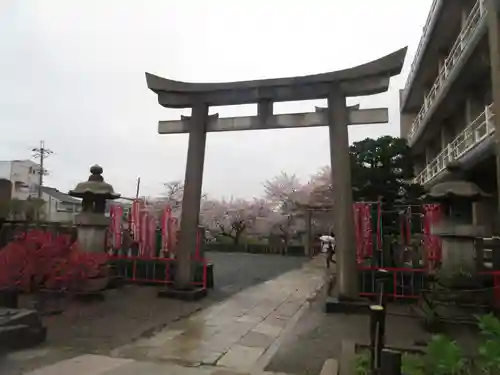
(41, 153)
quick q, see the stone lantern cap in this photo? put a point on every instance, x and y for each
(95, 186)
(455, 190)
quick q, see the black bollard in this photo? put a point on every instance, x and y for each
(390, 362)
(381, 277)
(377, 325)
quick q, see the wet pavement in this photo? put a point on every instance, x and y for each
(91, 364)
(239, 334)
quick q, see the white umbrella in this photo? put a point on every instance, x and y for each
(326, 238)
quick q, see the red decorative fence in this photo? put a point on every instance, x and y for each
(404, 284)
(155, 271)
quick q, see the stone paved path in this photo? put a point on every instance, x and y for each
(239, 335)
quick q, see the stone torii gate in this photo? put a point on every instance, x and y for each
(367, 79)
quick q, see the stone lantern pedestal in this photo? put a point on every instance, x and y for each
(456, 229)
(91, 230)
(458, 244)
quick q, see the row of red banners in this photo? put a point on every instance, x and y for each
(363, 230)
(143, 227)
(433, 213)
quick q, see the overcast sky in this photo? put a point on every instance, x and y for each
(72, 73)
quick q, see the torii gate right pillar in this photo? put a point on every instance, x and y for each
(347, 281)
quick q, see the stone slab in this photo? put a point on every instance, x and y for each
(330, 367)
(268, 329)
(87, 364)
(256, 340)
(192, 357)
(241, 357)
(347, 357)
(152, 368)
(288, 309)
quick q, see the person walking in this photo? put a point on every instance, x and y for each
(330, 251)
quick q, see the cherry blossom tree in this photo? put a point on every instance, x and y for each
(320, 187)
(290, 218)
(282, 189)
(282, 225)
(174, 190)
(231, 218)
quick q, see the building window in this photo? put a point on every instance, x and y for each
(66, 207)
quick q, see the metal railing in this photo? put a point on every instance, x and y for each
(420, 47)
(472, 22)
(475, 133)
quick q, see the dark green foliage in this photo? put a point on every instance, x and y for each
(382, 169)
(489, 351)
(444, 356)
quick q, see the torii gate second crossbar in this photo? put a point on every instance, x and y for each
(367, 79)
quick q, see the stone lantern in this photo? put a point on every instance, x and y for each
(91, 222)
(457, 231)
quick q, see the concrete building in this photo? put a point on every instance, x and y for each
(59, 207)
(24, 176)
(450, 101)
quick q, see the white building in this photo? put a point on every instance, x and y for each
(24, 176)
(59, 207)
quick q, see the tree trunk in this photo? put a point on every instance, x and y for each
(236, 238)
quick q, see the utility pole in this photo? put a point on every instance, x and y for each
(138, 186)
(41, 153)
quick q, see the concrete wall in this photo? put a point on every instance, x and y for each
(405, 121)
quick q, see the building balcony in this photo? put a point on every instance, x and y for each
(462, 49)
(475, 134)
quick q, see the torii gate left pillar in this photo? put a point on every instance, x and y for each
(193, 183)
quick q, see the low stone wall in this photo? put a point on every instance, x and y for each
(294, 250)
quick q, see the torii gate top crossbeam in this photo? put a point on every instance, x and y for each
(367, 79)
